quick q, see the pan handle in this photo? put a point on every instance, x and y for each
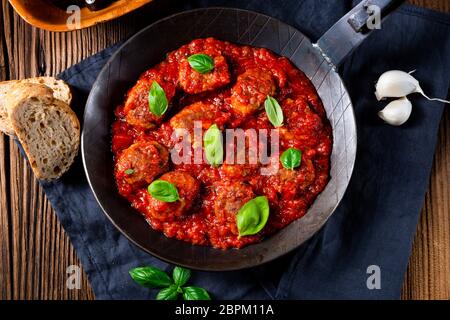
(348, 33)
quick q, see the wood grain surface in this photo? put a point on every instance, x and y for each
(34, 249)
(54, 19)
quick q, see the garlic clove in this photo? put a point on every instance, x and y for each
(397, 83)
(396, 112)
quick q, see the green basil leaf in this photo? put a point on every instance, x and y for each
(195, 293)
(129, 171)
(201, 63)
(170, 293)
(291, 158)
(253, 216)
(181, 275)
(273, 111)
(212, 141)
(157, 100)
(150, 277)
(163, 191)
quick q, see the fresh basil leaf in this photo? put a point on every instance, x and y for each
(157, 100)
(150, 277)
(291, 158)
(253, 216)
(273, 111)
(181, 275)
(195, 293)
(129, 171)
(170, 293)
(201, 63)
(212, 141)
(163, 191)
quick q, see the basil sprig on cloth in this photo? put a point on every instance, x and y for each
(153, 277)
(253, 216)
(195, 293)
(157, 100)
(181, 276)
(273, 111)
(150, 277)
(291, 158)
(163, 191)
(202, 63)
(169, 293)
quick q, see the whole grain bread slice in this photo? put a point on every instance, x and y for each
(47, 128)
(60, 89)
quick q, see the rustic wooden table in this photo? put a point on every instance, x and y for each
(34, 249)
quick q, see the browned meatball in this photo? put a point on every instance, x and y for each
(289, 182)
(140, 164)
(299, 115)
(242, 165)
(241, 159)
(193, 82)
(137, 111)
(238, 171)
(251, 90)
(303, 127)
(188, 189)
(229, 199)
(207, 113)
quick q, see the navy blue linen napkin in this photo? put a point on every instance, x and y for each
(376, 221)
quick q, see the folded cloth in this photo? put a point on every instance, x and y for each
(375, 223)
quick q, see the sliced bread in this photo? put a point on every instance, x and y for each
(60, 89)
(47, 128)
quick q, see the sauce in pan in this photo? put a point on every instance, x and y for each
(231, 96)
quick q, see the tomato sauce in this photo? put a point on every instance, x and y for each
(231, 96)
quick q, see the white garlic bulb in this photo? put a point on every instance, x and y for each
(396, 84)
(396, 112)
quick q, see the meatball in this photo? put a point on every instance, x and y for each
(207, 113)
(140, 164)
(239, 171)
(136, 109)
(188, 189)
(230, 196)
(300, 115)
(194, 82)
(289, 183)
(251, 90)
(236, 170)
(242, 159)
(303, 127)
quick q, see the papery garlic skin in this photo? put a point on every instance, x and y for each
(395, 84)
(396, 112)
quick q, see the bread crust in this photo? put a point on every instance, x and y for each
(60, 90)
(40, 95)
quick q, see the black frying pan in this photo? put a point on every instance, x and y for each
(149, 47)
